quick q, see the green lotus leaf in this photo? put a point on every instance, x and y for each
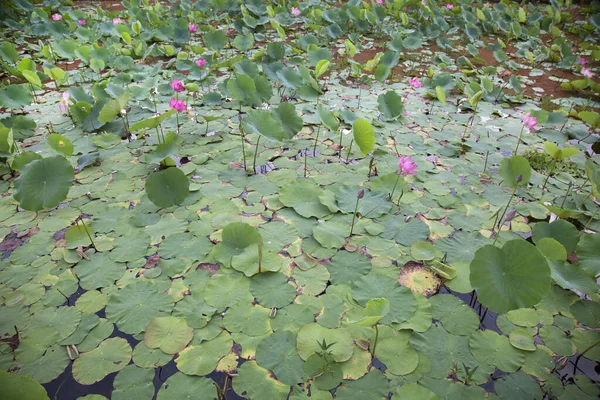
(15, 96)
(346, 267)
(145, 357)
(44, 183)
(518, 386)
(88, 322)
(328, 118)
(572, 276)
(64, 319)
(24, 158)
(91, 302)
(236, 237)
(490, 348)
(373, 386)
(421, 320)
(170, 334)
(325, 376)
(512, 277)
(248, 261)
(414, 391)
(16, 387)
(256, 382)
(310, 337)
(180, 386)
(289, 119)
(364, 135)
(152, 122)
(277, 352)
(110, 356)
(515, 171)
(246, 318)
(372, 205)
(557, 340)
(264, 124)
(113, 108)
(34, 344)
(390, 105)
(48, 367)
(374, 311)
(398, 355)
(402, 300)
(587, 313)
(564, 232)
(165, 149)
(593, 174)
(215, 40)
(133, 307)
(303, 196)
(77, 235)
(202, 359)
(422, 251)
(184, 245)
(61, 144)
(242, 88)
(521, 339)
(223, 291)
(454, 314)
(331, 234)
(551, 249)
(588, 251)
(167, 188)
(99, 271)
(133, 382)
(272, 289)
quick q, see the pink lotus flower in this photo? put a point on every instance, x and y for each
(380, 2)
(56, 17)
(582, 61)
(81, 21)
(295, 11)
(406, 165)
(201, 62)
(586, 72)
(192, 27)
(178, 105)
(177, 85)
(63, 104)
(423, 3)
(529, 121)
(117, 21)
(415, 82)
(449, 6)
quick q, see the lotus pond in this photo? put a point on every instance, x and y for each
(263, 200)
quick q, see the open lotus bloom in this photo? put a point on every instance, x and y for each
(407, 166)
(63, 104)
(529, 121)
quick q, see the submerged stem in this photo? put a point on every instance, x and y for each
(504, 213)
(255, 154)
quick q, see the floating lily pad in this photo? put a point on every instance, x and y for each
(133, 307)
(133, 382)
(272, 289)
(509, 278)
(490, 348)
(419, 279)
(454, 314)
(110, 356)
(202, 359)
(303, 196)
(278, 353)
(170, 334)
(15, 387)
(180, 386)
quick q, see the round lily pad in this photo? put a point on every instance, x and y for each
(180, 386)
(244, 317)
(111, 356)
(521, 339)
(256, 382)
(373, 386)
(331, 235)
(278, 353)
(303, 196)
(44, 183)
(398, 355)
(134, 306)
(133, 382)
(272, 289)
(184, 245)
(454, 314)
(346, 267)
(310, 337)
(587, 313)
(490, 348)
(518, 386)
(170, 334)
(512, 277)
(414, 391)
(167, 188)
(202, 359)
(222, 291)
(16, 387)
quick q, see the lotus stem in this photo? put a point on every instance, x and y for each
(340, 152)
(305, 162)
(86, 230)
(394, 188)
(359, 94)
(589, 221)
(177, 121)
(519, 140)
(504, 213)
(566, 195)
(487, 153)
(354, 216)
(259, 258)
(255, 154)
(469, 122)
(243, 143)
(316, 140)
(349, 150)
(375, 341)
(583, 352)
